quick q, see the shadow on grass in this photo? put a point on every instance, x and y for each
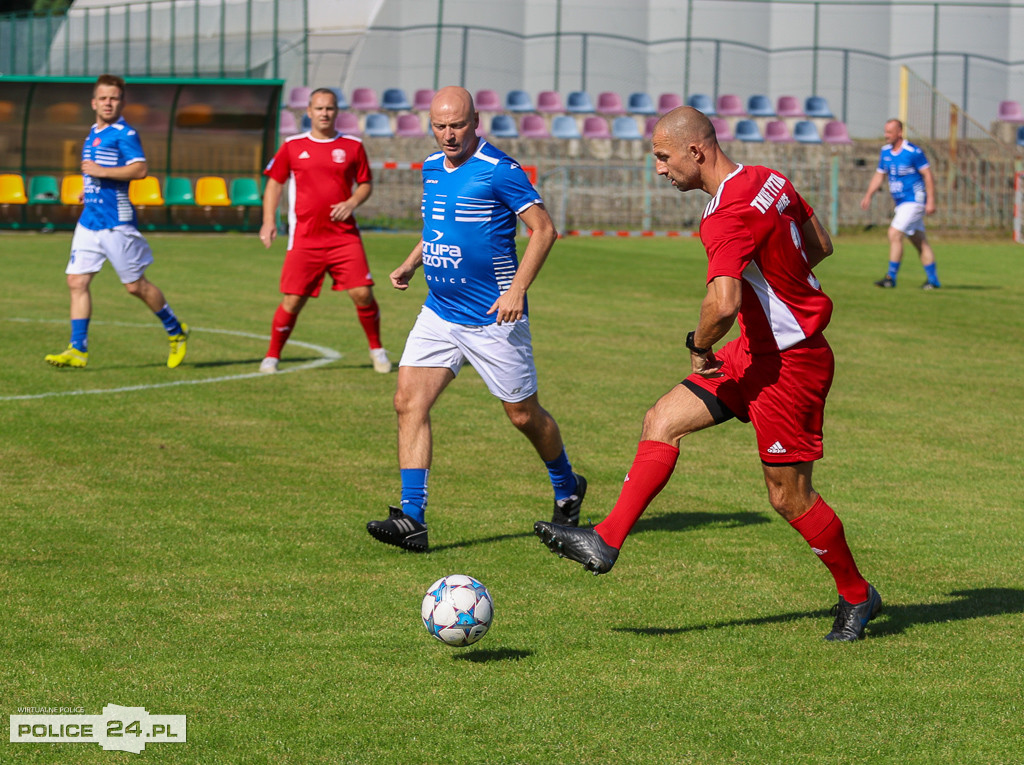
(894, 619)
(494, 654)
(664, 522)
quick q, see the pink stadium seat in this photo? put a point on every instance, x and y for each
(649, 124)
(348, 123)
(730, 105)
(488, 101)
(610, 103)
(596, 127)
(408, 126)
(722, 129)
(298, 98)
(286, 124)
(835, 132)
(365, 100)
(777, 131)
(533, 126)
(1010, 111)
(421, 100)
(668, 101)
(550, 102)
(789, 106)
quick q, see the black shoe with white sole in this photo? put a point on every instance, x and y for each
(400, 530)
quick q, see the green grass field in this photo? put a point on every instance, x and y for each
(199, 548)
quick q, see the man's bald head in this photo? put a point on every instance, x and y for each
(685, 125)
(453, 120)
(686, 151)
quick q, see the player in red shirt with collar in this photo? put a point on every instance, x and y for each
(762, 240)
(330, 177)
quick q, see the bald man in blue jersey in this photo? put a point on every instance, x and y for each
(476, 310)
(112, 158)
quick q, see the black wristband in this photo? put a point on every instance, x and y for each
(693, 346)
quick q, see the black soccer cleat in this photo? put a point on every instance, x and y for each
(581, 545)
(851, 619)
(567, 511)
(886, 283)
(400, 530)
(930, 286)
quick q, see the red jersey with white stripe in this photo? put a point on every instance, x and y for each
(323, 173)
(751, 230)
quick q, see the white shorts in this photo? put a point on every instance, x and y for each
(501, 354)
(908, 218)
(126, 249)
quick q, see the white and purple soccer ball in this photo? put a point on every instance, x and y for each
(457, 610)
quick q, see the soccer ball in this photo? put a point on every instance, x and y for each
(457, 610)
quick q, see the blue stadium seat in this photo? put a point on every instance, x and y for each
(307, 123)
(394, 100)
(342, 101)
(640, 103)
(626, 127)
(504, 126)
(578, 102)
(1020, 136)
(564, 126)
(817, 106)
(518, 101)
(747, 130)
(702, 103)
(806, 131)
(760, 106)
(378, 125)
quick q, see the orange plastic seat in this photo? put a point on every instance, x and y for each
(71, 188)
(212, 191)
(145, 192)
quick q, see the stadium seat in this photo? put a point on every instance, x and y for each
(649, 124)
(286, 124)
(550, 102)
(504, 126)
(306, 124)
(12, 190)
(409, 126)
(640, 103)
(43, 190)
(378, 125)
(806, 131)
(596, 127)
(835, 132)
(610, 103)
(816, 106)
(747, 130)
(760, 106)
(212, 191)
(668, 101)
(71, 188)
(722, 129)
(730, 105)
(298, 98)
(777, 131)
(421, 99)
(245, 192)
(518, 101)
(578, 102)
(145, 192)
(394, 100)
(564, 126)
(135, 114)
(1020, 136)
(702, 103)
(178, 192)
(194, 116)
(364, 100)
(347, 123)
(1010, 111)
(533, 126)
(64, 113)
(487, 100)
(789, 106)
(626, 128)
(340, 98)
(7, 110)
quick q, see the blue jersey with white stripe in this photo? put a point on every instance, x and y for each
(106, 200)
(469, 224)
(906, 184)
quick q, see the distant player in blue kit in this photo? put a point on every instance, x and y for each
(912, 186)
(112, 157)
(476, 310)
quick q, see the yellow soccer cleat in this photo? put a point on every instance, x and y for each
(72, 357)
(178, 347)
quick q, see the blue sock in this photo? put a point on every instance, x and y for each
(894, 268)
(562, 479)
(933, 277)
(414, 493)
(171, 323)
(80, 334)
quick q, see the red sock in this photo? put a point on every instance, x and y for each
(651, 469)
(280, 331)
(369, 317)
(823, 530)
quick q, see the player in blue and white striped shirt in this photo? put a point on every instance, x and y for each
(112, 158)
(476, 310)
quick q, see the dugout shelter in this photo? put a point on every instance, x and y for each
(191, 130)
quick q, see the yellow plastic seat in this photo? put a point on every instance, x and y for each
(212, 191)
(12, 190)
(71, 188)
(145, 192)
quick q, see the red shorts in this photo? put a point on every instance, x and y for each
(781, 394)
(304, 269)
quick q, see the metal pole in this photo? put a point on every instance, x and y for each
(465, 54)
(248, 37)
(935, 63)
(149, 38)
(223, 32)
(689, 43)
(174, 41)
(437, 44)
(558, 41)
(967, 74)
(277, 67)
(195, 40)
(106, 40)
(846, 82)
(833, 184)
(814, 59)
(583, 74)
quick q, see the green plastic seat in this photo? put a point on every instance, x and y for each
(245, 192)
(43, 190)
(178, 191)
